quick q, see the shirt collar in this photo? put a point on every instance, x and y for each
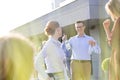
(81, 36)
(55, 41)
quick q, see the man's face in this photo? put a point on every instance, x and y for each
(80, 27)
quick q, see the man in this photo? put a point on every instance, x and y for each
(82, 47)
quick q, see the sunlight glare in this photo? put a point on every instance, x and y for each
(15, 13)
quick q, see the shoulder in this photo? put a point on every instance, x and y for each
(49, 46)
(89, 37)
(49, 42)
(74, 37)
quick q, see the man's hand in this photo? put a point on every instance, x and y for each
(92, 43)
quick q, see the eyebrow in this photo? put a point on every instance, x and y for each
(79, 26)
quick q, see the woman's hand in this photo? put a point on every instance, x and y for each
(106, 25)
(64, 37)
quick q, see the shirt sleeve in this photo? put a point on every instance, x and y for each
(68, 46)
(94, 49)
(40, 66)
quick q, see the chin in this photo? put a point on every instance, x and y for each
(60, 35)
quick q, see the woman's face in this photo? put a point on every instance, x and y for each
(59, 31)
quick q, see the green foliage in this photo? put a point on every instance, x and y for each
(69, 30)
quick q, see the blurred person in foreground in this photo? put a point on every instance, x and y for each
(113, 37)
(16, 57)
(52, 56)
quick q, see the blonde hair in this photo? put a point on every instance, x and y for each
(51, 27)
(113, 7)
(16, 57)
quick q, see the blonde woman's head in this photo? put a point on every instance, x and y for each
(50, 28)
(113, 9)
(16, 57)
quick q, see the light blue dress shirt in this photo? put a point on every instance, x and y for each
(80, 47)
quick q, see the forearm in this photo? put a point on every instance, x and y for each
(40, 67)
(106, 25)
(108, 33)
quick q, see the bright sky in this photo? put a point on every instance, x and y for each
(14, 13)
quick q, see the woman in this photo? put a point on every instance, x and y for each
(113, 9)
(51, 55)
(16, 57)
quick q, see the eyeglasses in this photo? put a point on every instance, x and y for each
(79, 26)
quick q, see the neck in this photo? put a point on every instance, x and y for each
(80, 34)
(54, 37)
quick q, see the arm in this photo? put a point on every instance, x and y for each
(106, 25)
(94, 47)
(40, 67)
(66, 43)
